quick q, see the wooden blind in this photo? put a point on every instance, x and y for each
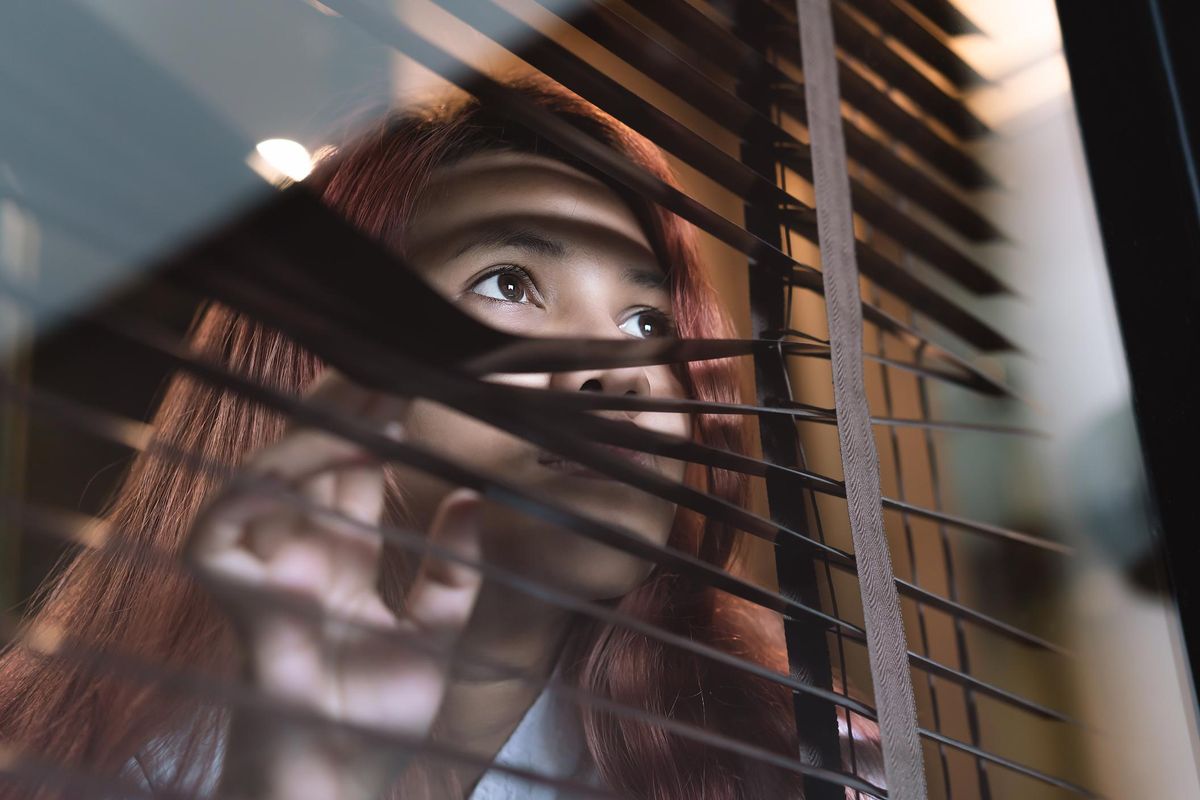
(839, 129)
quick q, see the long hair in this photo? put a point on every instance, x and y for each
(76, 715)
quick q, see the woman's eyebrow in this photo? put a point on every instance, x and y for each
(538, 243)
(645, 278)
(531, 241)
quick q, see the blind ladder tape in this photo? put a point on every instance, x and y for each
(886, 645)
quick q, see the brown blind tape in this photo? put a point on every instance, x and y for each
(886, 646)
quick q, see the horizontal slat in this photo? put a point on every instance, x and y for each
(268, 305)
(920, 40)
(967, 380)
(670, 197)
(327, 332)
(76, 415)
(966, 427)
(491, 487)
(558, 63)
(973, 684)
(942, 155)
(731, 112)
(50, 641)
(1008, 763)
(387, 28)
(958, 610)
(537, 355)
(921, 296)
(915, 182)
(927, 349)
(920, 241)
(60, 644)
(623, 35)
(945, 14)
(923, 243)
(282, 249)
(563, 66)
(857, 41)
(712, 45)
(321, 419)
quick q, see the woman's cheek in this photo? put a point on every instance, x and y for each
(460, 439)
(457, 435)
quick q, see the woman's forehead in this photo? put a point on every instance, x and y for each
(487, 189)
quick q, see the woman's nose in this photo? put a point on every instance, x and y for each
(625, 380)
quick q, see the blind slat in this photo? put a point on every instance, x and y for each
(860, 43)
(558, 63)
(921, 40)
(945, 14)
(729, 111)
(107, 427)
(711, 44)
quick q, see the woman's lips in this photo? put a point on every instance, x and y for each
(574, 468)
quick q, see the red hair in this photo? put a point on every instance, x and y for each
(79, 717)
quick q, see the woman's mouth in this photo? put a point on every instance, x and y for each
(575, 469)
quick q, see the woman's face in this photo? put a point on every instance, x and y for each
(535, 247)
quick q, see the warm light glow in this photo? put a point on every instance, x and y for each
(290, 159)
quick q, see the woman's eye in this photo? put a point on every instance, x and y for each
(647, 325)
(508, 285)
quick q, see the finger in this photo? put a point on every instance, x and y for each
(301, 564)
(305, 453)
(333, 391)
(221, 525)
(335, 517)
(318, 552)
(353, 548)
(267, 533)
(357, 505)
(229, 569)
(358, 492)
(287, 656)
(354, 496)
(320, 488)
(444, 592)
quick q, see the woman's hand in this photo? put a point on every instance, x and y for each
(261, 540)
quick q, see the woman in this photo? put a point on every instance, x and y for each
(523, 236)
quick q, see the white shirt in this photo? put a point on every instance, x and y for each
(548, 740)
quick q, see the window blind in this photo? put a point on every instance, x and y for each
(851, 168)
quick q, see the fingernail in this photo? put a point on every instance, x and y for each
(393, 430)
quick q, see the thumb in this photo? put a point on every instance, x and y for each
(444, 592)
